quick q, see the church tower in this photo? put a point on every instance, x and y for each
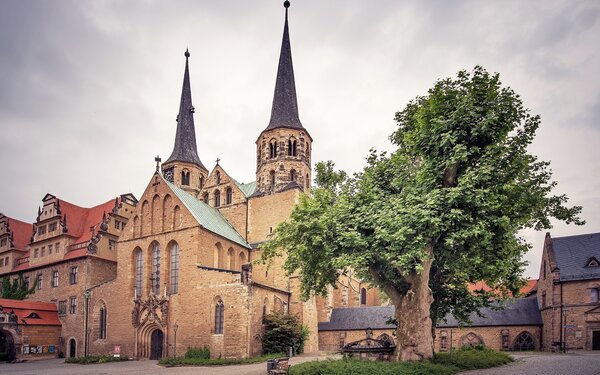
(283, 148)
(183, 167)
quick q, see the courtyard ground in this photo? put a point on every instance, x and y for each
(583, 363)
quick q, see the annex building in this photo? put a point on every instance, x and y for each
(150, 276)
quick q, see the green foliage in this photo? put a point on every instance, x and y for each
(176, 362)
(281, 332)
(17, 290)
(198, 353)
(89, 360)
(468, 358)
(460, 182)
(358, 367)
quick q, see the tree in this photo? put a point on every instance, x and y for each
(282, 331)
(441, 211)
(17, 290)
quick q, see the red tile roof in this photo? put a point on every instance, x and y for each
(79, 219)
(47, 312)
(525, 290)
(21, 233)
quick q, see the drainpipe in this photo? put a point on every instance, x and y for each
(562, 337)
(86, 298)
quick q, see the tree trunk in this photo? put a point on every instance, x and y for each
(415, 341)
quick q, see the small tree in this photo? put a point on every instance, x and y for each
(283, 331)
(442, 211)
(17, 290)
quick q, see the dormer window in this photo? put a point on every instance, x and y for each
(592, 262)
(33, 316)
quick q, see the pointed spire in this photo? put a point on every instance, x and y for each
(284, 113)
(185, 138)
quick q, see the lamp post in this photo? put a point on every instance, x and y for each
(175, 340)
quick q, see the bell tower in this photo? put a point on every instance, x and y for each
(283, 149)
(183, 167)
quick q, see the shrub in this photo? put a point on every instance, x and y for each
(194, 361)
(358, 367)
(198, 353)
(91, 359)
(468, 358)
(281, 332)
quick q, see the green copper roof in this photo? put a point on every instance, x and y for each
(248, 189)
(208, 217)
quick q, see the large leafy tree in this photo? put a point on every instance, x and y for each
(441, 211)
(17, 290)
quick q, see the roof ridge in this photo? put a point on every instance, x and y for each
(576, 235)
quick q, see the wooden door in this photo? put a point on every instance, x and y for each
(156, 344)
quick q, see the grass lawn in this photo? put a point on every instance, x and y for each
(442, 364)
(174, 362)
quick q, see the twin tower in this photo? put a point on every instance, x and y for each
(283, 149)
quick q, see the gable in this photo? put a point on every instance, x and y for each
(573, 253)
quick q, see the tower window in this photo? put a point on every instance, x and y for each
(201, 182)
(273, 149)
(307, 182)
(272, 178)
(293, 175)
(217, 198)
(292, 147)
(185, 177)
(229, 196)
(218, 177)
(205, 198)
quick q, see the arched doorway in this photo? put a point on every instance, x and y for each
(156, 344)
(7, 347)
(72, 348)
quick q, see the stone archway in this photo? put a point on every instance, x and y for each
(524, 342)
(156, 344)
(72, 348)
(8, 351)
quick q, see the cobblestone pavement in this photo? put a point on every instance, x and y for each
(58, 367)
(583, 363)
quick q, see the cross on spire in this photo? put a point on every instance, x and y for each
(157, 160)
(218, 160)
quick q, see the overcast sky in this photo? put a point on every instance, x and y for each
(89, 91)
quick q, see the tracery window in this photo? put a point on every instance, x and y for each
(273, 149)
(102, 323)
(471, 339)
(524, 342)
(219, 317)
(155, 279)
(174, 271)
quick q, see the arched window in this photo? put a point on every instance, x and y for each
(242, 258)
(174, 268)
(272, 173)
(139, 270)
(230, 259)
(185, 177)
(504, 334)
(218, 260)
(443, 341)
(102, 323)
(205, 198)
(292, 148)
(471, 339)
(218, 176)
(229, 196)
(219, 317)
(273, 149)
(363, 296)
(201, 182)
(307, 182)
(524, 342)
(293, 175)
(176, 217)
(155, 278)
(217, 198)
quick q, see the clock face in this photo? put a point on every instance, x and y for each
(169, 175)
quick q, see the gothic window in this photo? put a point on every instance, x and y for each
(217, 198)
(272, 173)
(230, 259)
(54, 279)
(443, 341)
(273, 149)
(219, 317)
(307, 182)
(201, 182)
(102, 323)
(155, 279)
(229, 196)
(205, 198)
(73, 275)
(471, 339)
(504, 334)
(174, 271)
(292, 147)
(524, 342)
(218, 175)
(293, 175)
(363, 296)
(242, 258)
(139, 269)
(185, 177)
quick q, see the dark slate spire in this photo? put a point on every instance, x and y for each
(185, 139)
(284, 113)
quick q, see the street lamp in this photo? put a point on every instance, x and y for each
(175, 340)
